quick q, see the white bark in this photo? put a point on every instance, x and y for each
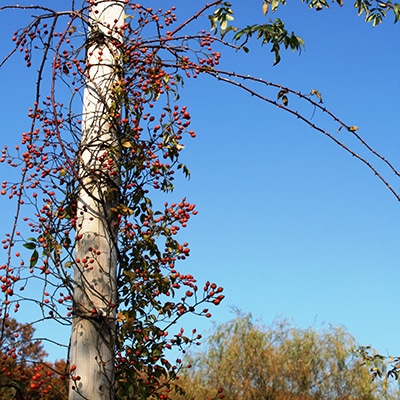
(93, 328)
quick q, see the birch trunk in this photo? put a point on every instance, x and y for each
(92, 345)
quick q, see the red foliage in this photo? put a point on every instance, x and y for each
(24, 373)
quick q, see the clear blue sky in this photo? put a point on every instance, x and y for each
(289, 224)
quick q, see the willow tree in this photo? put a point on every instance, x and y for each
(242, 359)
(99, 231)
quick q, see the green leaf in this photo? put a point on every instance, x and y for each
(396, 11)
(34, 259)
(276, 49)
(185, 170)
(30, 245)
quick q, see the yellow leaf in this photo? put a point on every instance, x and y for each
(353, 128)
(316, 93)
(265, 8)
(127, 144)
(72, 29)
(121, 317)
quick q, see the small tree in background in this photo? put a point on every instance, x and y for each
(249, 361)
(24, 374)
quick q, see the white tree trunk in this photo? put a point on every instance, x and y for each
(92, 346)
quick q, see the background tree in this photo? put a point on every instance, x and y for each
(249, 361)
(24, 373)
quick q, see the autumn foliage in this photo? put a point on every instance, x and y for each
(24, 372)
(243, 359)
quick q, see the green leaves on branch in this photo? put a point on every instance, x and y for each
(221, 17)
(374, 11)
(31, 245)
(375, 14)
(273, 4)
(320, 4)
(379, 366)
(274, 33)
(317, 4)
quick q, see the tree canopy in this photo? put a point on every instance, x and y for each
(243, 359)
(25, 373)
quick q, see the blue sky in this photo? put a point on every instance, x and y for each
(289, 224)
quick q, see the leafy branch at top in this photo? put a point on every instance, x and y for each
(374, 11)
(273, 32)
